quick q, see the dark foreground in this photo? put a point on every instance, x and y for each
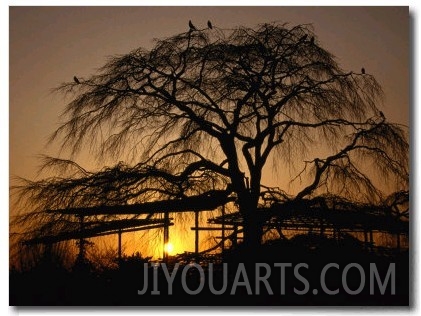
(293, 273)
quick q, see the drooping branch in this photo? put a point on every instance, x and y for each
(204, 110)
(382, 143)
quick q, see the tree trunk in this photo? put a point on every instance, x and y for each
(252, 226)
(252, 230)
(248, 197)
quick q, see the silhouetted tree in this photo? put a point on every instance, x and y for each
(205, 110)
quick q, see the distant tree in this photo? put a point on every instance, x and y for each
(205, 109)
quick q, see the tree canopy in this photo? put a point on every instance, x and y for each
(204, 110)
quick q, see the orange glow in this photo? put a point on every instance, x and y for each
(31, 121)
(169, 248)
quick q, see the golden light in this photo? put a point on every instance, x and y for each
(169, 248)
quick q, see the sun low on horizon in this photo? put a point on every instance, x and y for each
(150, 140)
(63, 55)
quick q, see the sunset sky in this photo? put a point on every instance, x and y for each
(49, 45)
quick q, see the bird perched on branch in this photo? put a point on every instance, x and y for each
(209, 25)
(363, 71)
(76, 80)
(192, 27)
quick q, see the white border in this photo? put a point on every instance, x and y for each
(209, 3)
(4, 183)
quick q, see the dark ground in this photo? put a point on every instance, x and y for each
(49, 285)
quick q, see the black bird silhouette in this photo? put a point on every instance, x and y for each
(192, 27)
(303, 37)
(363, 70)
(381, 114)
(76, 79)
(210, 25)
(312, 40)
